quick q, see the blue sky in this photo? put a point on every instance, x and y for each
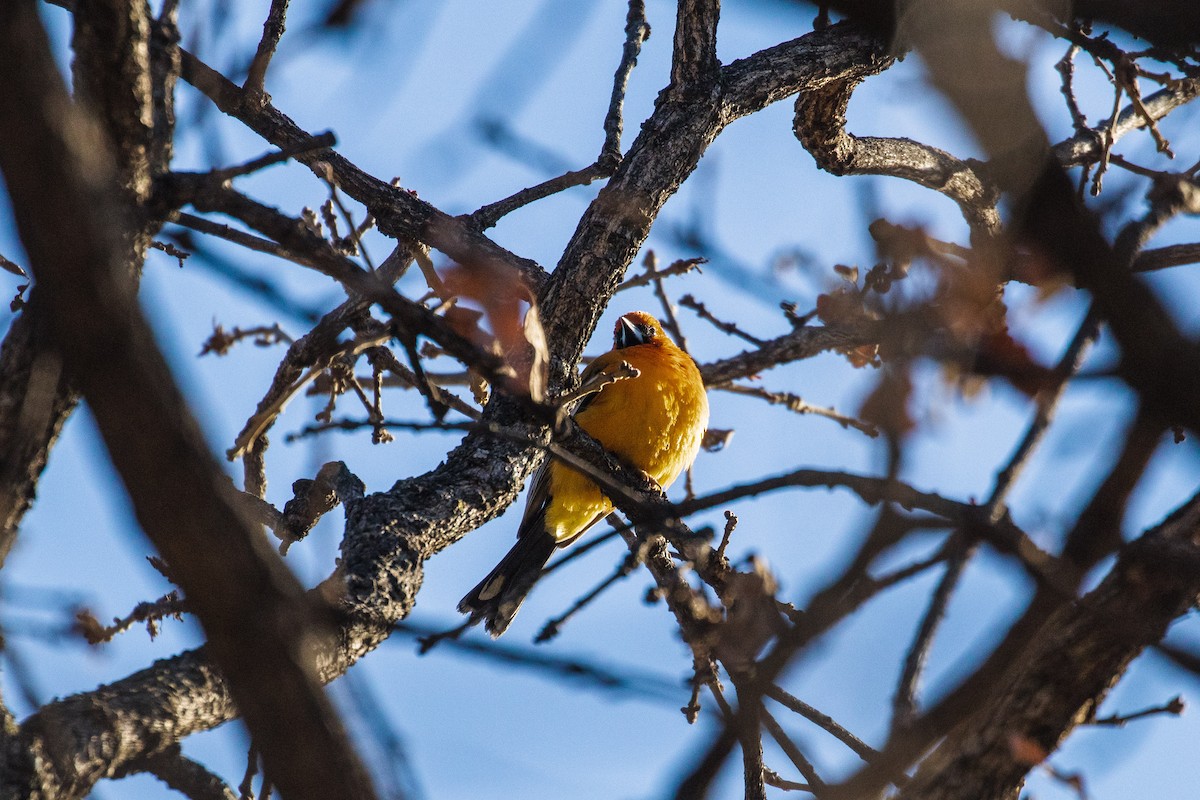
(403, 93)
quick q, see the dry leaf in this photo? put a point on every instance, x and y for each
(887, 405)
(540, 363)
(1000, 354)
(751, 615)
(518, 337)
(848, 274)
(842, 305)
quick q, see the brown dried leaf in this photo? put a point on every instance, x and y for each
(862, 356)
(887, 405)
(848, 274)
(751, 618)
(517, 336)
(899, 243)
(970, 302)
(465, 322)
(841, 305)
(540, 363)
(1000, 354)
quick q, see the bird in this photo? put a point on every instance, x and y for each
(654, 422)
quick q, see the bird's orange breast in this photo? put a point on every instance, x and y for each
(654, 421)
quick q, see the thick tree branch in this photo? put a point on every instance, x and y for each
(1065, 674)
(56, 174)
(130, 94)
(694, 65)
(820, 125)
(190, 778)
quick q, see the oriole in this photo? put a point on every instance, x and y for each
(654, 422)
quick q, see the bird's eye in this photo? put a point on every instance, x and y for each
(647, 333)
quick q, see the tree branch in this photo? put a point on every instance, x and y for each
(694, 65)
(245, 598)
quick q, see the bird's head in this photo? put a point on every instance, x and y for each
(637, 327)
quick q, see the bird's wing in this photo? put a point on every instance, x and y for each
(593, 369)
(536, 502)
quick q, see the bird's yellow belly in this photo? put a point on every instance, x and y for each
(651, 424)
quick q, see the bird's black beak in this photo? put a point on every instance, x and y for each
(628, 334)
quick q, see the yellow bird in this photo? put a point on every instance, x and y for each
(653, 422)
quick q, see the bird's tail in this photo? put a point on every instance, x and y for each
(498, 596)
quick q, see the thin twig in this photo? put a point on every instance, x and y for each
(904, 573)
(797, 404)
(607, 677)
(1066, 68)
(821, 720)
(1047, 401)
(554, 625)
(266, 414)
(166, 247)
(610, 375)
(772, 778)
(169, 605)
(904, 701)
(669, 320)
(246, 787)
(408, 378)
(351, 425)
(580, 550)
(220, 342)
(637, 31)
(687, 301)
(1174, 707)
(748, 721)
(14, 268)
(815, 784)
(229, 267)
(273, 27)
(489, 215)
(247, 240)
(731, 522)
(319, 142)
(680, 267)
(353, 228)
